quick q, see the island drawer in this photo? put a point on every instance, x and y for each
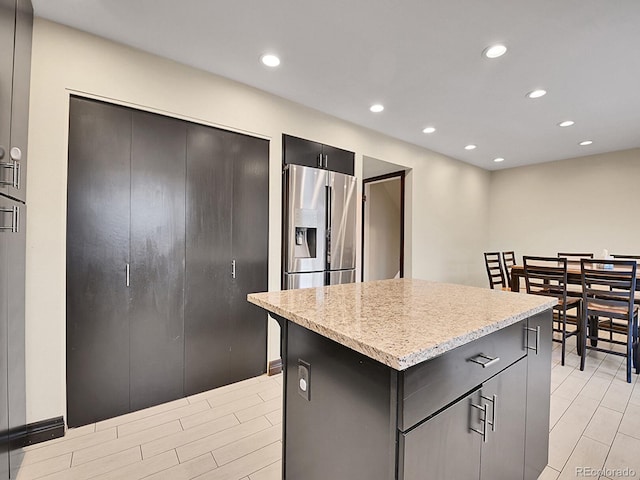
(430, 386)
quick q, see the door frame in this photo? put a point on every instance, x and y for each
(401, 175)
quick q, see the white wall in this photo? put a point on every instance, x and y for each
(447, 208)
(582, 204)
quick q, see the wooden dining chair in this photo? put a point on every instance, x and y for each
(608, 288)
(548, 276)
(508, 261)
(495, 272)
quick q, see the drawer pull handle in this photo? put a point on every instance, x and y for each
(15, 220)
(480, 360)
(483, 432)
(537, 330)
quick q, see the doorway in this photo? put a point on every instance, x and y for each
(383, 213)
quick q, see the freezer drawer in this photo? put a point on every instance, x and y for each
(341, 276)
(303, 280)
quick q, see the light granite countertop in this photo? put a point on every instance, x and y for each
(401, 322)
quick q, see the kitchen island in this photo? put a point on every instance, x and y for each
(410, 379)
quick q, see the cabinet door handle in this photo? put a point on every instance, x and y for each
(483, 420)
(319, 160)
(127, 270)
(15, 219)
(480, 360)
(494, 402)
(233, 269)
(15, 179)
(537, 344)
(326, 161)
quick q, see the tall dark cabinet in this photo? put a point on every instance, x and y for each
(16, 25)
(167, 232)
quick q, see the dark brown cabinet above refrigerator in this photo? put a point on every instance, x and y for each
(298, 151)
(167, 232)
(16, 25)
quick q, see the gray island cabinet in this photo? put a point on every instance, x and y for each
(413, 380)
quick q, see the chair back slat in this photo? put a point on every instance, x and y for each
(574, 257)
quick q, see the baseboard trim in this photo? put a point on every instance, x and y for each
(38, 432)
(275, 367)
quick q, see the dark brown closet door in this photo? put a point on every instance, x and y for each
(97, 255)
(157, 259)
(208, 323)
(250, 234)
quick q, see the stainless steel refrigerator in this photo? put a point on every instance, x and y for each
(319, 244)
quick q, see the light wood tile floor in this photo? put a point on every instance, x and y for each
(234, 432)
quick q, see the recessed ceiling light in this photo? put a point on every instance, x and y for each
(495, 51)
(537, 93)
(566, 123)
(377, 108)
(470, 147)
(585, 143)
(270, 60)
(429, 130)
(498, 160)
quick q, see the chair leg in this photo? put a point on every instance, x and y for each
(593, 331)
(583, 339)
(629, 356)
(636, 359)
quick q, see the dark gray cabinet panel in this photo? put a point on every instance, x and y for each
(444, 447)
(16, 25)
(538, 387)
(346, 430)
(208, 329)
(5, 220)
(7, 25)
(250, 232)
(15, 270)
(503, 452)
(299, 151)
(157, 259)
(338, 160)
(12, 360)
(97, 255)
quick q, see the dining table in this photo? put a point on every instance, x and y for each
(574, 277)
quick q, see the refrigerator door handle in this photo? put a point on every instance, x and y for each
(329, 193)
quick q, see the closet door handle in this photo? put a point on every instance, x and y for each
(128, 274)
(233, 269)
(15, 219)
(15, 179)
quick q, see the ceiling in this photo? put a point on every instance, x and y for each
(422, 59)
